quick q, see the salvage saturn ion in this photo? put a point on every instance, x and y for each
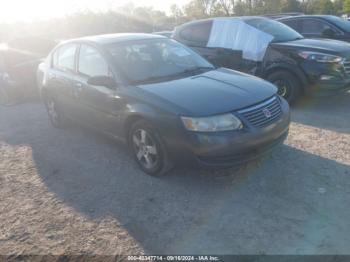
(164, 100)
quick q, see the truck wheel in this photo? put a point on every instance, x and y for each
(148, 149)
(287, 84)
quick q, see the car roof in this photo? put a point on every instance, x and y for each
(114, 38)
(304, 16)
(243, 18)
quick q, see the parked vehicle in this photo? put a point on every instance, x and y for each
(273, 51)
(19, 60)
(165, 101)
(319, 26)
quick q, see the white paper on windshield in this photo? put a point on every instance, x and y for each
(235, 34)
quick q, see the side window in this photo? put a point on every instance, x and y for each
(197, 33)
(64, 57)
(293, 24)
(314, 26)
(92, 63)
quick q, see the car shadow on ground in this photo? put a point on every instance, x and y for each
(327, 112)
(291, 202)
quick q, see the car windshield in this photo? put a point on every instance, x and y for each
(156, 60)
(340, 22)
(279, 31)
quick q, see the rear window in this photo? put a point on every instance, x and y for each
(197, 33)
(64, 57)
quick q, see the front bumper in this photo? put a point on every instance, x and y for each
(331, 86)
(224, 149)
(240, 157)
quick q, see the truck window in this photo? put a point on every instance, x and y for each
(293, 24)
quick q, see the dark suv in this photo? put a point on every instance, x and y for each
(319, 26)
(271, 50)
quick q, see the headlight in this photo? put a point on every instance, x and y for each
(320, 57)
(213, 123)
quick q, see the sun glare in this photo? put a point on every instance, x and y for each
(24, 10)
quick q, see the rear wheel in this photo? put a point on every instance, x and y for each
(55, 114)
(148, 149)
(288, 86)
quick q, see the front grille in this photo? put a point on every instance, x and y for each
(263, 114)
(346, 64)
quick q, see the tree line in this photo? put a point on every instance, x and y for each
(129, 18)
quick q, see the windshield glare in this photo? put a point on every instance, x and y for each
(279, 31)
(155, 59)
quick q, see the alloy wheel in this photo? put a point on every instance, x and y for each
(52, 111)
(145, 149)
(283, 87)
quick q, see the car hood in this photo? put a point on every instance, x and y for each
(214, 92)
(320, 45)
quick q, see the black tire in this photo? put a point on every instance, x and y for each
(288, 85)
(148, 149)
(55, 113)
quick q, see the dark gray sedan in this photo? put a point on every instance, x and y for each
(165, 101)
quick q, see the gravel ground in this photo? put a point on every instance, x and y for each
(74, 192)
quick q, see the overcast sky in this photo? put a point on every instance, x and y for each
(31, 10)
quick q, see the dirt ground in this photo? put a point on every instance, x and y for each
(74, 192)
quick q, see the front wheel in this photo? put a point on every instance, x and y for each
(288, 86)
(148, 149)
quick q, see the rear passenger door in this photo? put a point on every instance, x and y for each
(60, 79)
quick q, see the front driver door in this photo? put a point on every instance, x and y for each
(314, 28)
(100, 106)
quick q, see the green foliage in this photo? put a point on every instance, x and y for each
(346, 6)
(326, 7)
(290, 6)
(321, 7)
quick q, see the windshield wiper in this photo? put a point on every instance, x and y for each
(160, 78)
(196, 69)
(149, 79)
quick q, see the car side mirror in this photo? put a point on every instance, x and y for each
(105, 81)
(328, 32)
